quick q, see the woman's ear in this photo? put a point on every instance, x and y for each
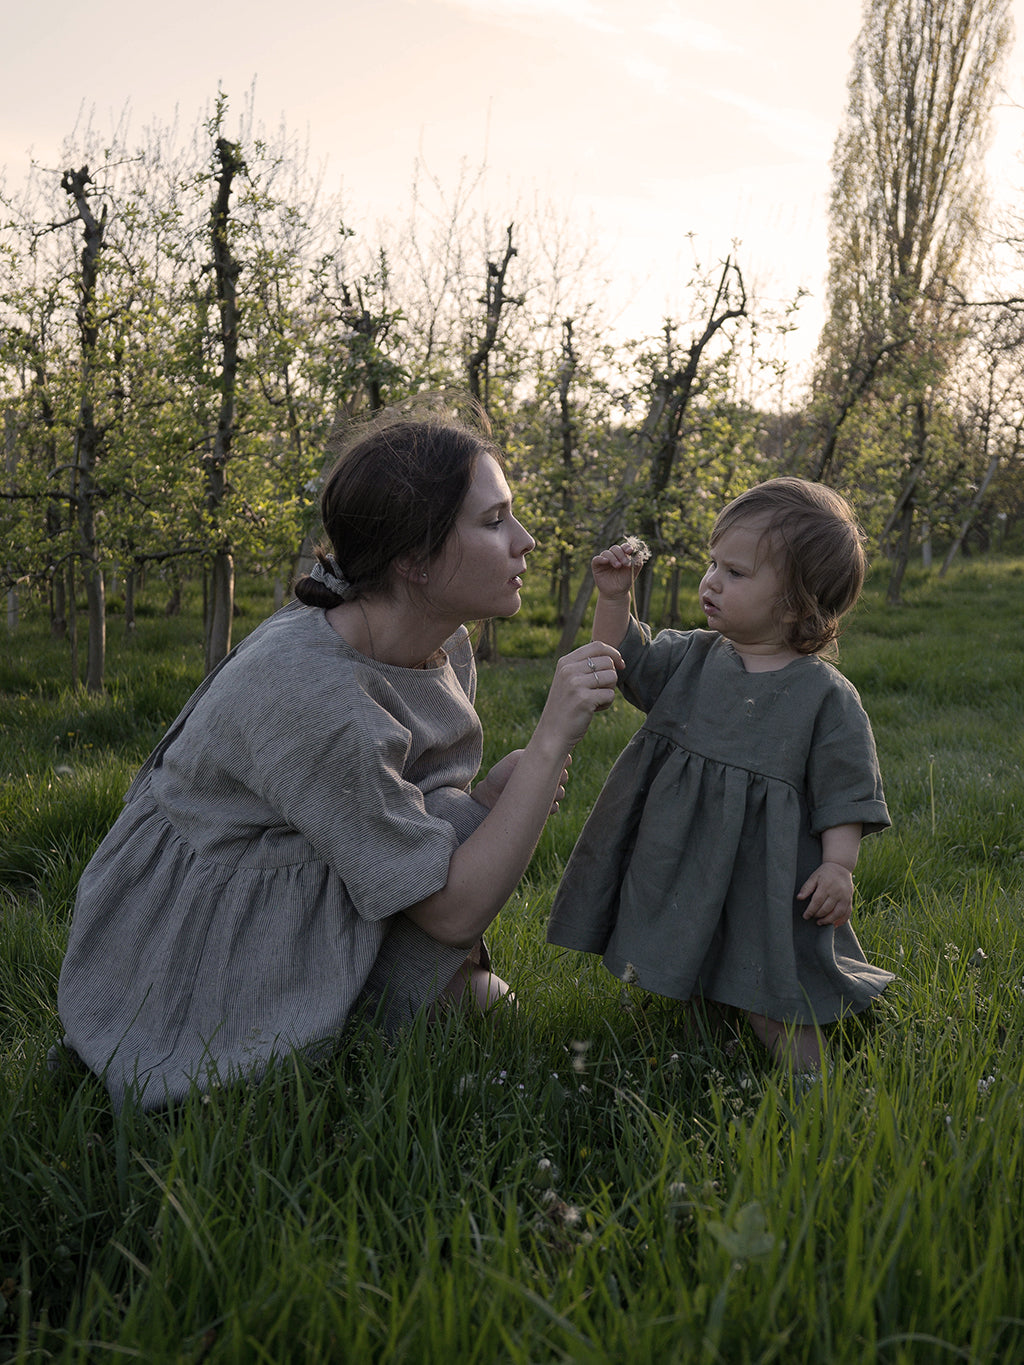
(412, 570)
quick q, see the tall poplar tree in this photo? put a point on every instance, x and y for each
(908, 192)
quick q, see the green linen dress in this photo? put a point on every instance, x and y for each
(246, 898)
(685, 875)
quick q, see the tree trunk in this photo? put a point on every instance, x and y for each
(173, 607)
(72, 623)
(220, 605)
(576, 613)
(221, 609)
(902, 514)
(10, 460)
(129, 600)
(563, 587)
(901, 555)
(661, 431)
(567, 442)
(96, 597)
(611, 529)
(477, 370)
(494, 301)
(58, 608)
(673, 596)
(487, 642)
(972, 512)
(88, 435)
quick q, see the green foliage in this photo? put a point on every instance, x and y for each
(907, 404)
(593, 1176)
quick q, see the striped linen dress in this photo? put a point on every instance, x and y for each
(246, 898)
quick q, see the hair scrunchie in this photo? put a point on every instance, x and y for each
(332, 578)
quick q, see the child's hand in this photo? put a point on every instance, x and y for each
(830, 889)
(614, 570)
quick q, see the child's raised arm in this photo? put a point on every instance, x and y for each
(614, 570)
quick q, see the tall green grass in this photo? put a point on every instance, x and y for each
(584, 1179)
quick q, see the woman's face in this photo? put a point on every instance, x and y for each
(478, 572)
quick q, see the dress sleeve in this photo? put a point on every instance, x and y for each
(650, 661)
(844, 785)
(340, 786)
(458, 808)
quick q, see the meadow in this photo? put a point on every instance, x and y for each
(582, 1179)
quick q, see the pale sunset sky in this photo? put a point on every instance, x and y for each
(641, 120)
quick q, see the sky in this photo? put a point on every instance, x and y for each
(663, 129)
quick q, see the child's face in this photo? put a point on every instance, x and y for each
(741, 590)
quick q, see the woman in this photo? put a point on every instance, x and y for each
(304, 840)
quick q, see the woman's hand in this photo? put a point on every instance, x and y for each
(584, 683)
(489, 788)
(485, 869)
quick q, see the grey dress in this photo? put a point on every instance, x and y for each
(246, 897)
(685, 875)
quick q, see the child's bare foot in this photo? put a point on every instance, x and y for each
(795, 1045)
(707, 1020)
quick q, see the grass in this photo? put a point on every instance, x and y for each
(581, 1181)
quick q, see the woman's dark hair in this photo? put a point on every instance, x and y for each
(813, 537)
(394, 493)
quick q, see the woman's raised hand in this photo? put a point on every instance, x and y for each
(584, 683)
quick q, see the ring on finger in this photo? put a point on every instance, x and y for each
(591, 665)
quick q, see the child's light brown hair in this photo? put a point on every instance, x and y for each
(813, 538)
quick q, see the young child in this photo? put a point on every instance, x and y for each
(717, 862)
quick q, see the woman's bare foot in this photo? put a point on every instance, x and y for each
(475, 987)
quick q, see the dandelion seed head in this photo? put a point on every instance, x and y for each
(638, 550)
(579, 1055)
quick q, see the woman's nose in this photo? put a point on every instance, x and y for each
(526, 540)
